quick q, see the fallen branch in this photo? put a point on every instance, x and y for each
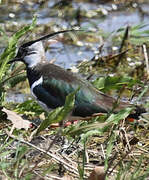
(69, 167)
(146, 59)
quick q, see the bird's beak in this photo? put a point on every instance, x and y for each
(14, 60)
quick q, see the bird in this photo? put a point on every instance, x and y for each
(50, 84)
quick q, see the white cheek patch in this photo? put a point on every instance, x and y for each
(36, 83)
(36, 54)
(32, 59)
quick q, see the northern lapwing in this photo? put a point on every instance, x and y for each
(50, 84)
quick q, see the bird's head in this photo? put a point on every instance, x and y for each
(31, 55)
(32, 52)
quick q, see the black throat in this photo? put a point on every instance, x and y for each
(33, 75)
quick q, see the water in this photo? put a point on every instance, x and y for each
(16, 97)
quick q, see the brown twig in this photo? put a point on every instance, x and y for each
(146, 59)
(109, 173)
(69, 167)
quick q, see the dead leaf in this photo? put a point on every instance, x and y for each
(18, 121)
(97, 173)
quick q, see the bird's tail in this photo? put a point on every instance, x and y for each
(137, 112)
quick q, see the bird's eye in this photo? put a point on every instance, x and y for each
(22, 52)
(25, 51)
(30, 51)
